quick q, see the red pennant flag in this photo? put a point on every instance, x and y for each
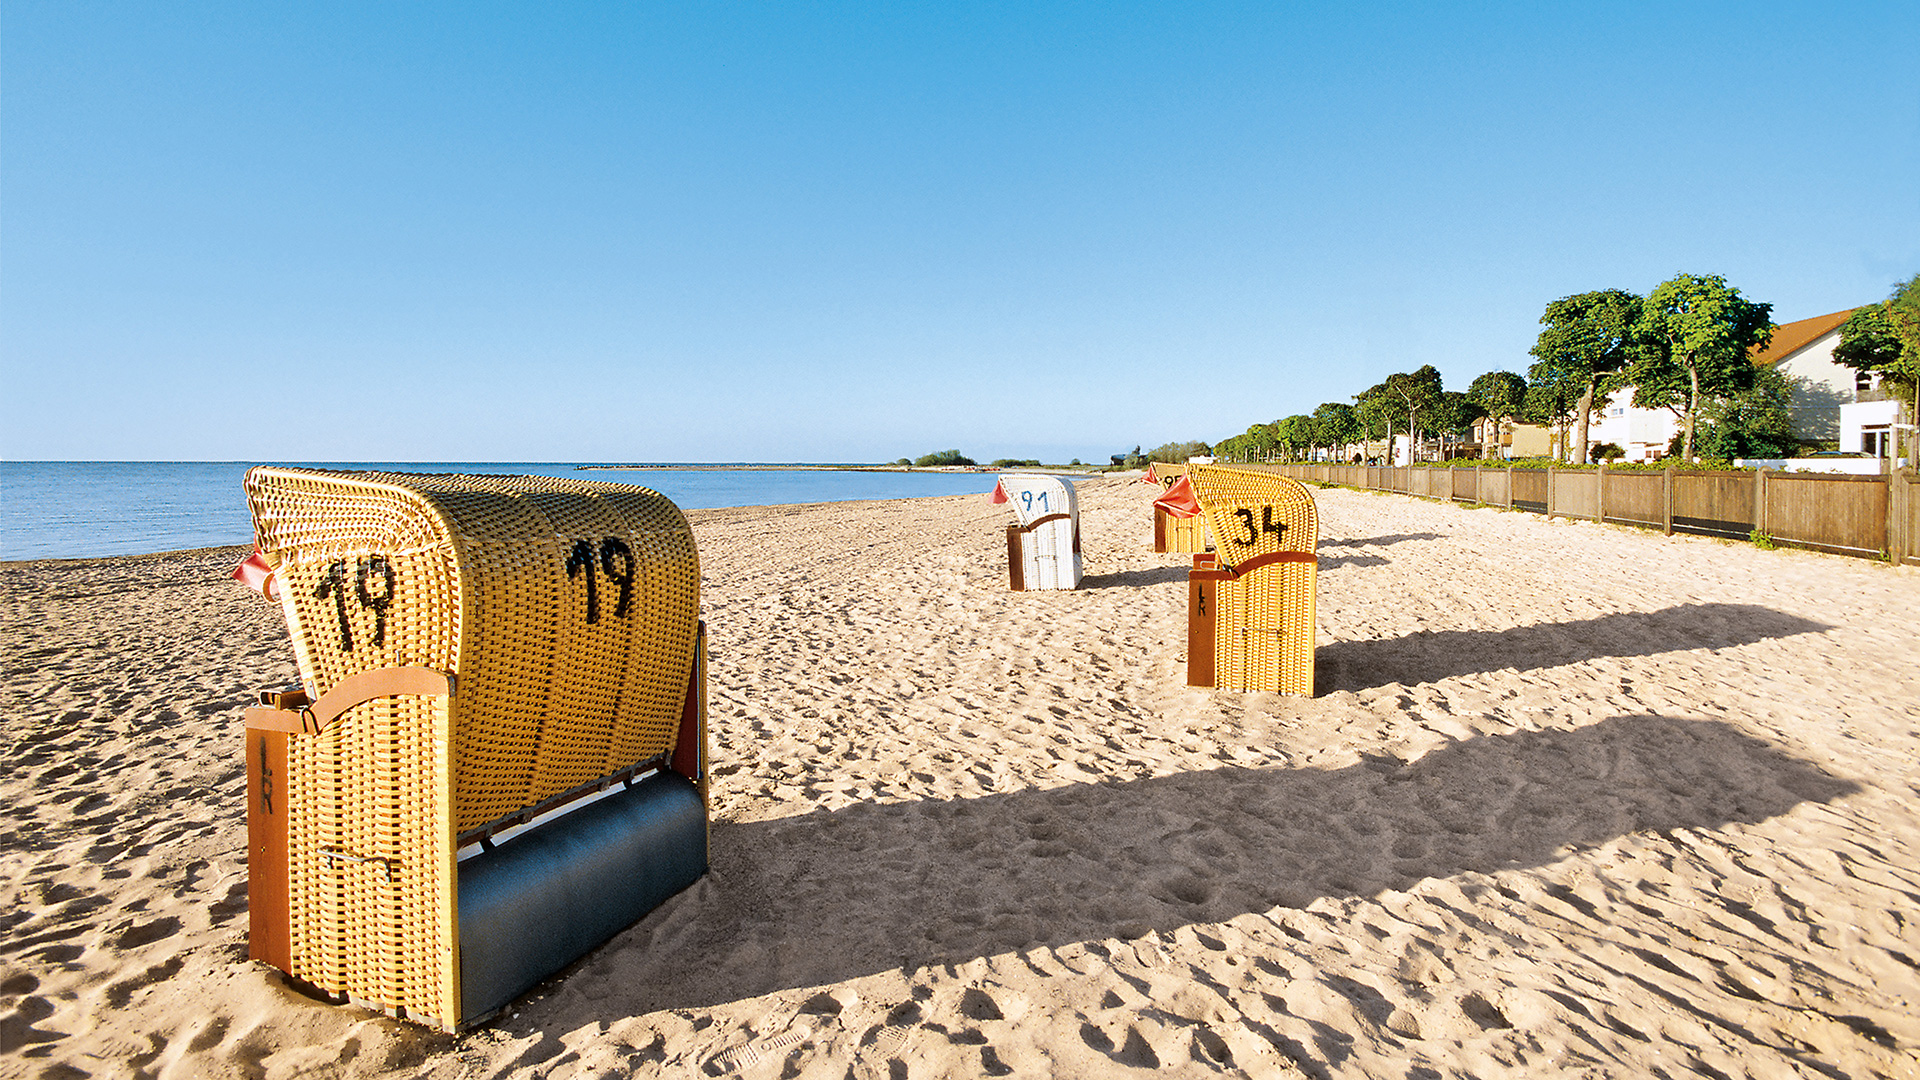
(999, 494)
(1179, 500)
(255, 574)
(1148, 477)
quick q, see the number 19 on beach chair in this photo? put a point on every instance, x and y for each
(1250, 603)
(1043, 550)
(497, 759)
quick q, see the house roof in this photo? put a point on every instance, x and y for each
(1790, 338)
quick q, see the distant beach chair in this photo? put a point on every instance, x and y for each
(1043, 550)
(498, 759)
(1250, 604)
(1171, 532)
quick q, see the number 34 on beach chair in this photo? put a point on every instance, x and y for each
(497, 759)
(1250, 603)
(1043, 550)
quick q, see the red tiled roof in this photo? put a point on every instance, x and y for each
(1791, 337)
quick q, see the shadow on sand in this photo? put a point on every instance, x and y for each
(1430, 657)
(1131, 579)
(1378, 541)
(826, 896)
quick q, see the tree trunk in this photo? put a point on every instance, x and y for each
(1693, 406)
(1586, 410)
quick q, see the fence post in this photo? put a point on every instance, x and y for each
(1666, 497)
(1479, 493)
(1509, 487)
(1899, 495)
(1600, 496)
(1549, 493)
(1760, 502)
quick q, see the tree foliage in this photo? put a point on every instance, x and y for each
(1502, 396)
(1753, 423)
(1415, 392)
(1333, 424)
(943, 457)
(1175, 453)
(1692, 342)
(1588, 339)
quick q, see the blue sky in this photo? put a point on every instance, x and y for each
(826, 232)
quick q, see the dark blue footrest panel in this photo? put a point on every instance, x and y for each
(547, 897)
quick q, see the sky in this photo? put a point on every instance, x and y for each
(857, 232)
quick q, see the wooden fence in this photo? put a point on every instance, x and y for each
(1874, 517)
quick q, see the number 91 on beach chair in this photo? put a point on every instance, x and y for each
(1043, 550)
(1250, 617)
(497, 759)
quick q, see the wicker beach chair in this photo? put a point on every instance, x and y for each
(1043, 550)
(497, 759)
(1171, 532)
(1250, 604)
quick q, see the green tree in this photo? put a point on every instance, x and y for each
(1753, 423)
(1453, 415)
(1376, 410)
(1587, 340)
(1884, 338)
(943, 457)
(1502, 395)
(1551, 403)
(1294, 433)
(1693, 339)
(1176, 453)
(1415, 392)
(1333, 424)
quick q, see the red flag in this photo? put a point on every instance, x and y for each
(999, 493)
(255, 574)
(1148, 477)
(1179, 500)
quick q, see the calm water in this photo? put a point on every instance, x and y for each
(83, 509)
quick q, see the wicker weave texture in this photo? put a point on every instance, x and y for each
(1177, 534)
(566, 610)
(1264, 620)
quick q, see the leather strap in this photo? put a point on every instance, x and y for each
(352, 690)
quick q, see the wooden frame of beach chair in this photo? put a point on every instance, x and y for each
(1043, 549)
(497, 759)
(1172, 533)
(1250, 604)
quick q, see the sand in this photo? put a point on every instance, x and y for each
(1572, 800)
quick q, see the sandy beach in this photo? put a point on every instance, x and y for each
(1572, 800)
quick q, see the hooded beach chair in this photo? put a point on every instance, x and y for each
(497, 757)
(1171, 530)
(1250, 604)
(1043, 550)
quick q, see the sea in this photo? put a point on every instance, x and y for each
(86, 509)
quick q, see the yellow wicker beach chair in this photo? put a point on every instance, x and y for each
(1170, 531)
(1250, 603)
(497, 759)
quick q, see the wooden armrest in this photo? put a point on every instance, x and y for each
(352, 690)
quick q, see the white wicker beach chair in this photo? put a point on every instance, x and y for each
(1043, 550)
